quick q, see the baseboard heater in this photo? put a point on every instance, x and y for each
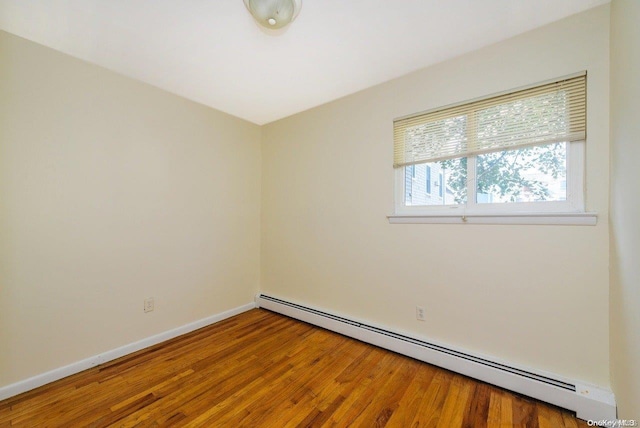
(589, 402)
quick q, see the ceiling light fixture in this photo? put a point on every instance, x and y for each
(274, 14)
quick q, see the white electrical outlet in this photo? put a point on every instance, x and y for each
(419, 313)
(148, 304)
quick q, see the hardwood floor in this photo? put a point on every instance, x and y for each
(260, 369)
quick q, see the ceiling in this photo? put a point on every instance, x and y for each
(213, 52)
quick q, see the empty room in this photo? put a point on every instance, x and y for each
(271, 213)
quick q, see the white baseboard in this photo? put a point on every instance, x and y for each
(73, 368)
(588, 401)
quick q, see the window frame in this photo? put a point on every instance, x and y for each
(572, 211)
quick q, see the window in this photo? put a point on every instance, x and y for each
(520, 152)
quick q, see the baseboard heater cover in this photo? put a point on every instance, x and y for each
(589, 402)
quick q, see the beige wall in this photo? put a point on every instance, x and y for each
(535, 296)
(112, 191)
(625, 207)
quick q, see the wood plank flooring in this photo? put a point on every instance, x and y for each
(260, 369)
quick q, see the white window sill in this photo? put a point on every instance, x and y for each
(570, 219)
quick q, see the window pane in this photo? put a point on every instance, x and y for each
(409, 176)
(436, 183)
(529, 174)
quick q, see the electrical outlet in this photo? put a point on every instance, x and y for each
(419, 313)
(148, 304)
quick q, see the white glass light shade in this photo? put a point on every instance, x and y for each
(274, 13)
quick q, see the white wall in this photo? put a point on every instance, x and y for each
(625, 207)
(536, 296)
(112, 191)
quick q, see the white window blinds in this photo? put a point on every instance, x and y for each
(545, 114)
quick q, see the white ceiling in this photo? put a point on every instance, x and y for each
(211, 51)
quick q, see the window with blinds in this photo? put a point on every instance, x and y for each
(555, 112)
(521, 147)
